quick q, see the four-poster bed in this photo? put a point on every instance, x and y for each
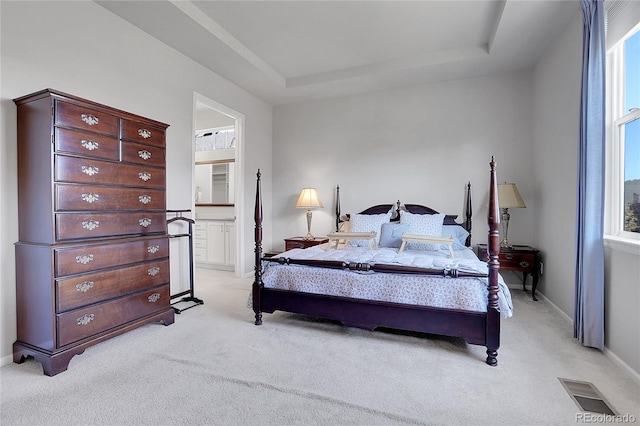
(476, 325)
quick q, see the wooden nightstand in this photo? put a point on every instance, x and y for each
(300, 242)
(525, 259)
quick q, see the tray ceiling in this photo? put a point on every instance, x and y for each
(293, 51)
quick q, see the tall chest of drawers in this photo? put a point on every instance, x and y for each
(92, 260)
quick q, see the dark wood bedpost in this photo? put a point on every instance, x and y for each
(337, 208)
(257, 282)
(493, 247)
(468, 214)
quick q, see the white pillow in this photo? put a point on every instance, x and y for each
(367, 223)
(422, 224)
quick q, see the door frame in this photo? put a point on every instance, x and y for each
(238, 173)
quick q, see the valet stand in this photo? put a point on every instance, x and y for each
(178, 215)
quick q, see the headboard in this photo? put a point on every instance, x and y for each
(415, 209)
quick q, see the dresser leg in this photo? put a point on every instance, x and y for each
(168, 318)
(52, 364)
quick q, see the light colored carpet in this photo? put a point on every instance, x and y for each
(214, 367)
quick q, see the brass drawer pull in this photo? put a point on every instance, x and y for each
(153, 271)
(90, 119)
(84, 259)
(145, 176)
(144, 154)
(84, 286)
(90, 198)
(144, 199)
(85, 319)
(90, 224)
(154, 297)
(153, 249)
(524, 264)
(89, 144)
(508, 256)
(144, 222)
(144, 133)
(90, 170)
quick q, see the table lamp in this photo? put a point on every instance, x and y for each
(309, 199)
(508, 197)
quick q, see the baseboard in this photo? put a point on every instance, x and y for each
(216, 266)
(555, 307)
(620, 363)
(606, 351)
(6, 360)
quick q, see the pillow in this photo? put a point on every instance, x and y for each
(458, 233)
(391, 234)
(367, 223)
(422, 224)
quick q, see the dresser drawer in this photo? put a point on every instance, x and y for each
(82, 170)
(87, 197)
(200, 230)
(72, 226)
(87, 289)
(200, 254)
(142, 154)
(143, 133)
(520, 261)
(301, 243)
(514, 261)
(81, 117)
(82, 323)
(88, 258)
(87, 144)
(290, 245)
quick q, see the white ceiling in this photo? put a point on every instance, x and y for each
(292, 51)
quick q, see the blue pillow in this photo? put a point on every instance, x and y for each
(391, 234)
(458, 233)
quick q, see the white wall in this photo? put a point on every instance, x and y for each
(556, 119)
(83, 49)
(622, 316)
(556, 125)
(419, 145)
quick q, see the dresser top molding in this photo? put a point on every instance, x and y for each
(56, 94)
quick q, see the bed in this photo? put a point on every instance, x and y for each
(344, 284)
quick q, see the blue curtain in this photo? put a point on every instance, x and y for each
(588, 324)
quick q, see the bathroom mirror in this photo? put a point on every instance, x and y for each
(215, 183)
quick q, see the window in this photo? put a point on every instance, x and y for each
(629, 141)
(218, 138)
(622, 208)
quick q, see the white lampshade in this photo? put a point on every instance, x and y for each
(308, 199)
(509, 197)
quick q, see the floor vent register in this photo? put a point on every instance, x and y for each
(587, 397)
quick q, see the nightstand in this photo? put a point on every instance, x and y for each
(300, 242)
(525, 259)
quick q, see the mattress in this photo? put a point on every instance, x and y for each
(468, 293)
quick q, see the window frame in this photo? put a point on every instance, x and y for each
(614, 234)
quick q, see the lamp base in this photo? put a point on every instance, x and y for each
(504, 220)
(309, 236)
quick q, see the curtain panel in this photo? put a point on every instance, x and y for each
(588, 324)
